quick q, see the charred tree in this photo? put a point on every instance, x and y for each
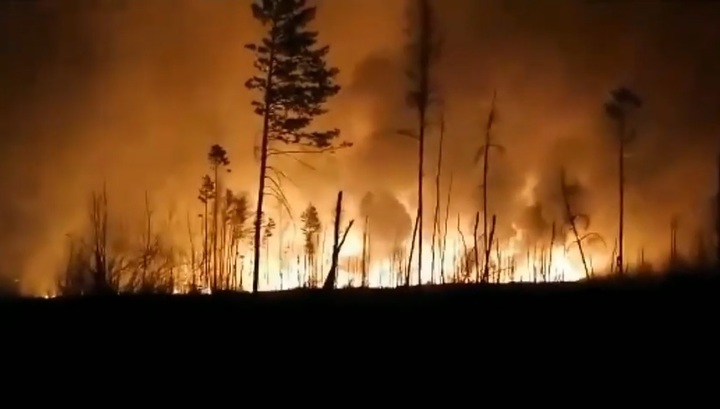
(294, 82)
(337, 244)
(622, 102)
(436, 212)
(365, 253)
(423, 51)
(568, 191)
(484, 152)
(673, 241)
(476, 253)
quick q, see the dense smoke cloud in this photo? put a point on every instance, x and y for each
(391, 223)
(133, 93)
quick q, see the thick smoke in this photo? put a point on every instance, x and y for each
(391, 224)
(131, 94)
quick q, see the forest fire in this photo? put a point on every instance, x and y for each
(512, 261)
(557, 265)
(466, 152)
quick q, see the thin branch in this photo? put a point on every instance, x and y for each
(274, 152)
(347, 230)
(408, 133)
(280, 196)
(307, 165)
(281, 175)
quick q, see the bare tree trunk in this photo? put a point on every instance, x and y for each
(486, 167)
(280, 246)
(673, 241)
(421, 159)
(438, 174)
(464, 267)
(476, 252)
(193, 283)
(445, 231)
(337, 244)
(498, 273)
(621, 187)
(424, 51)
(365, 260)
(552, 246)
(571, 219)
(215, 229)
(206, 245)
(486, 272)
(618, 108)
(319, 264)
(148, 242)
(412, 250)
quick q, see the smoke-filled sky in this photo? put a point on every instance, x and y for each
(132, 93)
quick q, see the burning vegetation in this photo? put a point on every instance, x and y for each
(256, 237)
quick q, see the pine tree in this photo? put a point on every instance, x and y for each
(294, 82)
(311, 227)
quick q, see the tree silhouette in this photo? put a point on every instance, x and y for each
(236, 214)
(218, 159)
(206, 194)
(622, 103)
(311, 228)
(575, 221)
(268, 232)
(484, 152)
(423, 51)
(294, 82)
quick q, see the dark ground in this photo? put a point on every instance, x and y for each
(454, 332)
(676, 313)
(678, 296)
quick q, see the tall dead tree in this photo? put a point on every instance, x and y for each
(673, 241)
(365, 253)
(294, 82)
(436, 212)
(622, 102)
(484, 152)
(423, 51)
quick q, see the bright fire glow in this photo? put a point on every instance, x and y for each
(284, 264)
(559, 264)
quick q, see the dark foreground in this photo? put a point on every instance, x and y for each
(671, 298)
(449, 330)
